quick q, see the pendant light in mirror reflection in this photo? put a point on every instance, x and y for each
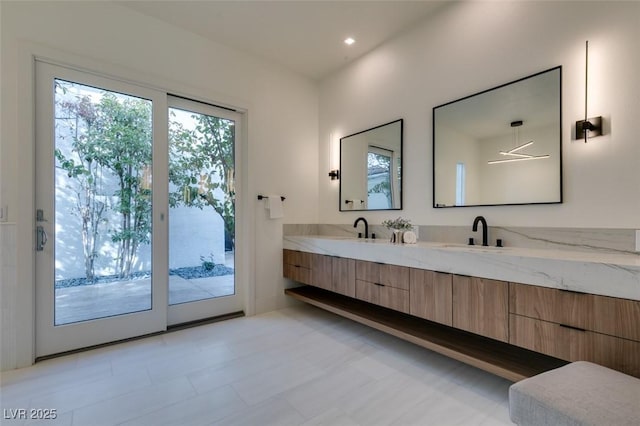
(474, 130)
(516, 153)
(589, 127)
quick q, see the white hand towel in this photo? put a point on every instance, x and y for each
(275, 207)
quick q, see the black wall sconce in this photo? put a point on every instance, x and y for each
(334, 174)
(589, 127)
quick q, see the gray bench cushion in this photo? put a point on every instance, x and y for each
(580, 393)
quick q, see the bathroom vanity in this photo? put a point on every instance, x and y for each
(514, 312)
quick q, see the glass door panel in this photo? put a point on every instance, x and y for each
(98, 212)
(202, 213)
(102, 237)
(108, 183)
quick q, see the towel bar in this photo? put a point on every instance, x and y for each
(260, 197)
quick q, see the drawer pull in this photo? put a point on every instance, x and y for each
(572, 327)
(379, 285)
(572, 291)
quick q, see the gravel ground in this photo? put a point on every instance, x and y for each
(186, 273)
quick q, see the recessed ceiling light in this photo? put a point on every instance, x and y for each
(349, 41)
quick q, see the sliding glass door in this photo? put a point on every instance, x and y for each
(202, 210)
(135, 220)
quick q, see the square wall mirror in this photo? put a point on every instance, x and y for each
(371, 169)
(502, 146)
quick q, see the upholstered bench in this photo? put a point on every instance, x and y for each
(580, 393)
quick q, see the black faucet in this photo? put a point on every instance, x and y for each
(366, 226)
(485, 241)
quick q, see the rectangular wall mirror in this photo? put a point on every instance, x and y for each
(371, 169)
(502, 146)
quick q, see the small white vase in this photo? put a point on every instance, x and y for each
(396, 236)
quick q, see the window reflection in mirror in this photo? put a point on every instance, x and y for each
(379, 193)
(501, 146)
(371, 169)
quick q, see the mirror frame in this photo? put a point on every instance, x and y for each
(560, 183)
(400, 196)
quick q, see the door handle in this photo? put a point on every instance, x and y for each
(41, 238)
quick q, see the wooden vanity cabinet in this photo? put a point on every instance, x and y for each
(576, 326)
(430, 295)
(296, 265)
(563, 324)
(331, 273)
(343, 276)
(602, 314)
(481, 306)
(321, 271)
(383, 284)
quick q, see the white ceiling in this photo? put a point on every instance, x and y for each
(305, 36)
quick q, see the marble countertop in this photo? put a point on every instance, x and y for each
(607, 274)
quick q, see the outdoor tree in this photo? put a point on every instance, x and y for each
(125, 133)
(79, 116)
(379, 165)
(201, 166)
(112, 142)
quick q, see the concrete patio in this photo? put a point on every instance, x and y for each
(88, 302)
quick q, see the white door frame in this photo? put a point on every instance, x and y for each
(23, 327)
(52, 339)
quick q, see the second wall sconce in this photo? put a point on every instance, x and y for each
(589, 127)
(334, 172)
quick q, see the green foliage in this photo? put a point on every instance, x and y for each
(113, 142)
(116, 137)
(398, 223)
(381, 188)
(202, 166)
(208, 262)
(85, 173)
(124, 132)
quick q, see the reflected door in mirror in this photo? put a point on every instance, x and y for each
(371, 169)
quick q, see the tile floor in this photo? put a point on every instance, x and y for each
(296, 366)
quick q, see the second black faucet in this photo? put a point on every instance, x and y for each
(485, 238)
(366, 226)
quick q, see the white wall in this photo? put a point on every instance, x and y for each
(472, 46)
(281, 128)
(459, 148)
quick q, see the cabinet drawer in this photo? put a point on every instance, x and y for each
(602, 314)
(343, 276)
(297, 258)
(481, 306)
(430, 295)
(395, 276)
(394, 298)
(573, 344)
(545, 337)
(296, 265)
(297, 273)
(367, 291)
(379, 294)
(382, 273)
(321, 271)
